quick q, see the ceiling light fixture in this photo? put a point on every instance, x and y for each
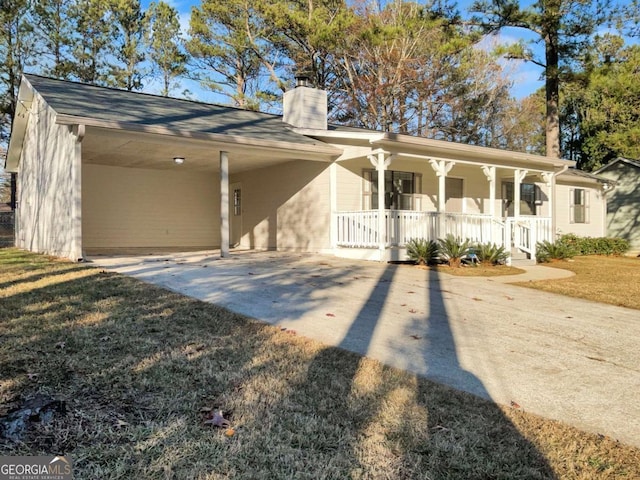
(178, 160)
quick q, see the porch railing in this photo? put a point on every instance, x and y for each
(360, 228)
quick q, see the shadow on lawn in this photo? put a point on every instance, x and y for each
(136, 364)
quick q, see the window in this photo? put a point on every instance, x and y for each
(529, 199)
(399, 189)
(237, 202)
(579, 205)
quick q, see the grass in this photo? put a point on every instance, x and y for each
(613, 280)
(137, 367)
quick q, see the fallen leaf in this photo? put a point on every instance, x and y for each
(508, 297)
(60, 345)
(292, 332)
(218, 420)
(411, 291)
(477, 299)
(32, 376)
(403, 304)
(413, 310)
(121, 423)
(416, 337)
(330, 315)
(568, 316)
(229, 432)
(106, 338)
(514, 404)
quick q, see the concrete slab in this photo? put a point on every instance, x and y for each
(562, 358)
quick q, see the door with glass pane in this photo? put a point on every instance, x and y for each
(235, 214)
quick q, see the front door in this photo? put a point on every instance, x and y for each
(235, 214)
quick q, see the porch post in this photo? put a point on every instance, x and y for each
(333, 185)
(442, 168)
(382, 222)
(490, 173)
(381, 164)
(550, 182)
(224, 204)
(518, 177)
(76, 189)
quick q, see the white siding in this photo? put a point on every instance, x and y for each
(286, 207)
(595, 227)
(131, 209)
(45, 193)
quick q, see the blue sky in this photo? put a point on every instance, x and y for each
(525, 75)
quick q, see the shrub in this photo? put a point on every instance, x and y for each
(595, 246)
(453, 250)
(547, 251)
(423, 252)
(491, 254)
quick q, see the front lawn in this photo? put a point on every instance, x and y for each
(138, 369)
(613, 280)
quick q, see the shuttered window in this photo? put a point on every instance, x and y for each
(578, 205)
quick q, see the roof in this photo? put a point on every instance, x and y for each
(627, 161)
(122, 106)
(574, 172)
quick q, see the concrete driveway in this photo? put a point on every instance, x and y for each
(562, 358)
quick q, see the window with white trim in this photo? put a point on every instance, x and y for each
(579, 205)
(401, 190)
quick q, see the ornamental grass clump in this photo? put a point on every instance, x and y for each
(547, 251)
(491, 254)
(453, 250)
(422, 251)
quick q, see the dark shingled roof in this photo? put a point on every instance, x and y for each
(581, 173)
(113, 105)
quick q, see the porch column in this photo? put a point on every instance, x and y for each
(442, 168)
(550, 181)
(518, 177)
(381, 163)
(224, 204)
(490, 173)
(76, 193)
(333, 195)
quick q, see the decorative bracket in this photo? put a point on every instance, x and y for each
(79, 131)
(519, 175)
(547, 177)
(489, 172)
(441, 167)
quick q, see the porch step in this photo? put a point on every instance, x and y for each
(519, 258)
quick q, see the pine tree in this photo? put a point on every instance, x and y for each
(130, 23)
(164, 42)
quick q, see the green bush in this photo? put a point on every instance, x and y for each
(423, 252)
(491, 254)
(595, 246)
(453, 250)
(547, 251)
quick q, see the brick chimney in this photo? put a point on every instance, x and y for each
(305, 106)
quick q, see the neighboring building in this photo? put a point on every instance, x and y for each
(110, 171)
(623, 218)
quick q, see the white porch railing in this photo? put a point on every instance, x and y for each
(360, 228)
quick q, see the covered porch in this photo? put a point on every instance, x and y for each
(415, 196)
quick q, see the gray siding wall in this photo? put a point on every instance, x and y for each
(623, 217)
(44, 220)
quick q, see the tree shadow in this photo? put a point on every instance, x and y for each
(136, 363)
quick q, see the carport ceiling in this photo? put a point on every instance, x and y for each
(153, 151)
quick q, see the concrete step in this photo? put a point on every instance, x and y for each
(521, 258)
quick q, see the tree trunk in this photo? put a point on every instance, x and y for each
(552, 85)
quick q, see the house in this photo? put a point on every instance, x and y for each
(623, 204)
(103, 171)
